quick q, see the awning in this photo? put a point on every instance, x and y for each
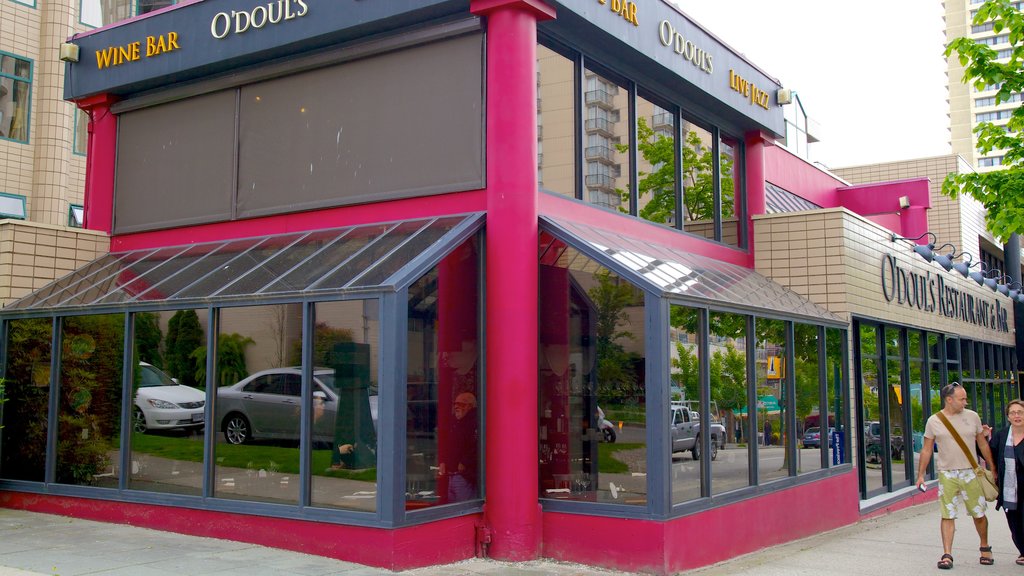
(370, 257)
(689, 278)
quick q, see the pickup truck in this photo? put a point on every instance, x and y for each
(686, 431)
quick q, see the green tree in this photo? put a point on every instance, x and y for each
(324, 339)
(658, 185)
(1000, 191)
(147, 338)
(184, 337)
(231, 366)
(617, 379)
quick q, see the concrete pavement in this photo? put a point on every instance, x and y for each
(904, 542)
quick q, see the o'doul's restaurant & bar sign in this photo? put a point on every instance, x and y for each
(929, 293)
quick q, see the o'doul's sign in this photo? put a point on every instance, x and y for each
(240, 21)
(929, 293)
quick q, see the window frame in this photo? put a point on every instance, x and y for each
(24, 206)
(27, 80)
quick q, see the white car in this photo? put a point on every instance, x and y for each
(266, 406)
(163, 404)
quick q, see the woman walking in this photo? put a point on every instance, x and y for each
(1008, 449)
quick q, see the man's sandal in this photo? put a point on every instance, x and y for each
(946, 562)
(986, 560)
(1020, 561)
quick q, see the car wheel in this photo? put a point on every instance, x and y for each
(138, 420)
(236, 429)
(714, 449)
(609, 435)
(696, 449)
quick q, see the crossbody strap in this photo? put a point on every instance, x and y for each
(959, 440)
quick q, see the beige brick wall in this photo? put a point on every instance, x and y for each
(834, 258)
(44, 170)
(33, 255)
(960, 222)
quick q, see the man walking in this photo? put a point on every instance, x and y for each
(957, 481)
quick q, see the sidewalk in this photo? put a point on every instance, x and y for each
(904, 542)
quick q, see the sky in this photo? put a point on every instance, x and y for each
(871, 73)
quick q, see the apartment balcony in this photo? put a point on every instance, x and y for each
(600, 182)
(600, 153)
(662, 120)
(600, 126)
(600, 98)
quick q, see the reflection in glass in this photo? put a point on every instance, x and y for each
(835, 344)
(871, 436)
(698, 181)
(894, 373)
(344, 388)
(592, 413)
(810, 429)
(732, 194)
(257, 404)
(607, 142)
(772, 416)
(26, 392)
(915, 440)
(15, 84)
(443, 416)
(556, 113)
(655, 129)
(728, 345)
(684, 415)
(168, 416)
(89, 411)
(102, 12)
(80, 145)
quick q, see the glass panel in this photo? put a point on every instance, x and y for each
(916, 393)
(773, 457)
(12, 206)
(936, 347)
(135, 274)
(384, 268)
(732, 190)
(836, 434)
(953, 365)
(233, 252)
(728, 345)
(333, 256)
(102, 12)
(698, 181)
(271, 260)
(258, 403)
(894, 373)
(684, 415)
(556, 126)
(81, 141)
(592, 402)
(25, 393)
(870, 437)
(444, 458)
(168, 416)
(147, 6)
(15, 83)
(89, 410)
(808, 398)
(655, 128)
(345, 354)
(82, 275)
(606, 148)
(370, 255)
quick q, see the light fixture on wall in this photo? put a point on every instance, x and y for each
(68, 52)
(904, 202)
(964, 267)
(926, 251)
(945, 260)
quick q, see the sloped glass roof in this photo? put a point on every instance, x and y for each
(294, 264)
(670, 272)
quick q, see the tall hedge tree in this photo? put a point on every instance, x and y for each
(1001, 192)
(184, 336)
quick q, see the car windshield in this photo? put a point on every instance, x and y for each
(150, 376)
(812, 430)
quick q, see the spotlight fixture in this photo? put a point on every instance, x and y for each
(944, 260)
(926, 251)
(964, 268)
(982, 273)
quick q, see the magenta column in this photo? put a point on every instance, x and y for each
(99, 167)
(512, 510)
(756, 205)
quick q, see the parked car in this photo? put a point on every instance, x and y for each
(163, 404)
(266, 406)
(812, 437)
(686, 431)
(873, 443)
